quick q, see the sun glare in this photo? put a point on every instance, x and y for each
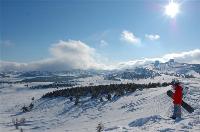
(172, 9)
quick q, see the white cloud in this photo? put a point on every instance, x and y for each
(75, 54)
(103, 43)
(192, 56)
(7, 66)
(152, 36)
(130, 37)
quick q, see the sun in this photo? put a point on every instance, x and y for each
(172, 9)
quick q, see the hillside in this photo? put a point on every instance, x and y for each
(142, 110)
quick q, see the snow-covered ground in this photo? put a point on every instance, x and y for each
(99, 80)
(146, 110)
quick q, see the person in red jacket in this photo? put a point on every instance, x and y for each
(177, 99)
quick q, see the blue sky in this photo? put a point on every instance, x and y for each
(29, 28)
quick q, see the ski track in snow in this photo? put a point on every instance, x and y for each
(146, 110)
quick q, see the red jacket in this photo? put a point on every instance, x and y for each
(177, 96)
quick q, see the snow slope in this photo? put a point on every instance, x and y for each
(146, 110)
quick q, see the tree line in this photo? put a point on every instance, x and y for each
(53, 85)
(107, 91)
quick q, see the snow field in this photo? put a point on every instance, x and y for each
(146, 110)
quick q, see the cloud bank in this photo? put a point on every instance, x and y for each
(71, 54)
(65, 55)
(191, 57)
(130, 38)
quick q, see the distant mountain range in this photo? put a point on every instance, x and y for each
(176, 68)
(150, 70)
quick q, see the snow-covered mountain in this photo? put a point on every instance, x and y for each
(175, 68)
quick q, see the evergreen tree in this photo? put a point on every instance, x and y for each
(77, 100)
(109, 96)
